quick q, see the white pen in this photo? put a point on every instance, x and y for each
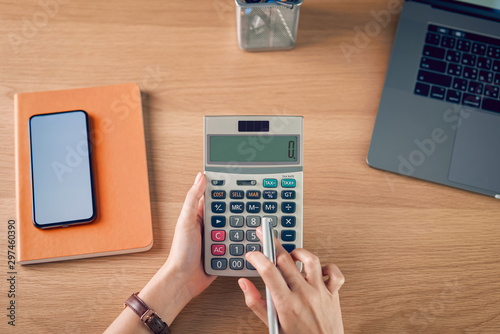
(270, 253)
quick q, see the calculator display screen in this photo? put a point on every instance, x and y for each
(249, 149)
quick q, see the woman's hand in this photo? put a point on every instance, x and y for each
(304, 304)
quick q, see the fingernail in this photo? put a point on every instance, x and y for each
(198, 178)
(242, 284)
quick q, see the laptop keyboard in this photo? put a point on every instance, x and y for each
(460, 67)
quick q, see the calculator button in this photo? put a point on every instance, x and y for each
(217, 182)
(274, 220)
(219, 264)
(236, 250)
(236, 221)
(288, 221)
(253, 248)
(218, 194)
(218, 235)
(288, 207)
(288, 247)
(253, 194)
(288, 194)
(218, 207)
(237, 194)
(288, 183)
(236, 235)
(253, 207)
(236, 264)
(270, 183)
(218, 221)
(252, 235)
(249, 266)
(270, 207)
(237, 207)
(218, 250)
(288, 235)
(270, 194)
(246, 182)
(253, 221)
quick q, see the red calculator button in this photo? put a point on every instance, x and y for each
(218, 235)
(218, 249)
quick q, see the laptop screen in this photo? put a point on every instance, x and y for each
(493, 4)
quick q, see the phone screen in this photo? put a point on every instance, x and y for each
(61, 169)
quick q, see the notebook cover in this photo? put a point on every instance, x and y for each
(123, 223)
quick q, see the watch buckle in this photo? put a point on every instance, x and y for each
(147, 316)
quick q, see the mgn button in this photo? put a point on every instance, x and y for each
(288, 247)
(288, 221)
(270, 194)
(218, 250)
(236, 249)
(252, 235)
(218, 194)
(288, 235)
(218, 235)
(236, 264)
(236, 235)
(236, 221)
(253, 207)
(237, 207)
(253, 194)
(253, 221)
(237, 194)
(288, 183)
(218, 207)
(218, 221)
(288, 194)
(253, 248)
(217, 182)
(270, 183)
(270, 207)
(219, 264)
(288, 207)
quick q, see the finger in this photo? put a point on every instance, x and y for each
(190, 208)
(270, 275)
(335, 278)
(201, 208)
(312, 266)
(253, 299)
(286, 264)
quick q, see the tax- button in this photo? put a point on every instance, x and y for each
(270, 183)
(288, 183)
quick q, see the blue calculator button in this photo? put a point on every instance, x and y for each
(253, 248)
(249, 266)
(288, 221)
(288, 183)
(218, 194)
(236, 235)
(288, 235)
(270, 194)
(288, 194)
(252, 235)
(237, 194)
(270, 207)
(219, 264)
(236, 249)
(236, 264)
(288, 207)
(218, 207)
(253, 207)
(253, 194)
(218, 221)
(270, 183)
(288, 247)
(253, 221)
(237, 207)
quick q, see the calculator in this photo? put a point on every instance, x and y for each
(254, 170)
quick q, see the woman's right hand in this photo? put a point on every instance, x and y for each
(305, 304)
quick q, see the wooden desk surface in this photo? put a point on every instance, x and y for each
(417, 257)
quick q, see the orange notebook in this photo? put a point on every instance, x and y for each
(123, 223)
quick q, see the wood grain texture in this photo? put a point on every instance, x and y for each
(417, 257)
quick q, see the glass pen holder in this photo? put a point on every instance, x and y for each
(267, 26)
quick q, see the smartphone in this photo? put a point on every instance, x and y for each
(62, 183)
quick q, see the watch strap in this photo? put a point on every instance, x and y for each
(148, 316)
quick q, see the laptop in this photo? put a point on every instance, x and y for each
(439, 114)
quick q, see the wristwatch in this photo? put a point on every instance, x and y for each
(147, 315)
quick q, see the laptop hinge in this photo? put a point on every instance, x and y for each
(463, 8)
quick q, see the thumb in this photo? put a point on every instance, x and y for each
(191, 203)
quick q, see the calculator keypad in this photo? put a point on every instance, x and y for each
(235, 206)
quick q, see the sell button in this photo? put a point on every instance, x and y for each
(288, 183)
